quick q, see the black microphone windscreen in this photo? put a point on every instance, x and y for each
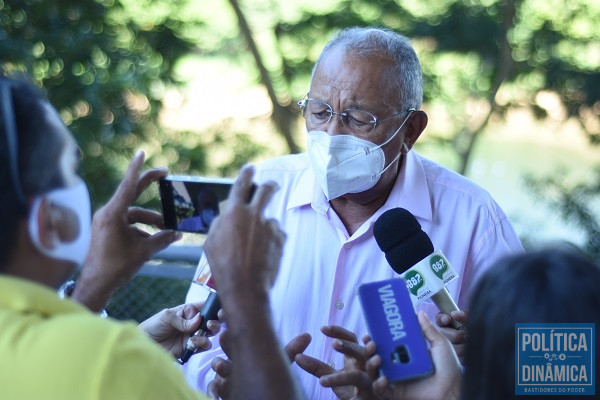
(399, 235)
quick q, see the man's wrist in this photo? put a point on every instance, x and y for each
(70, 289)
(245, 303)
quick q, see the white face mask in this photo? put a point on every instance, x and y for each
(347, 164)
(77, 199)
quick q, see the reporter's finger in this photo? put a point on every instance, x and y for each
(366, 339)
(443, 319)
(201, 343)
(382, 389)
(221, 366)
(241, 188)
(182, 324)
(357, 378)
(215, 388)
(149, 176)
(297, 345)
(190, 310)
(337, 332)
(349, 349)
(126, 192)
(213, 327)
(313, 366)
(370, 348)
(431, 333)
(372, 365)
(159, 241)
(455, 336)
(144, 216)
(263, 195)
(459, 316)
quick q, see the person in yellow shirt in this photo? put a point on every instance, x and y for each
(55, 348)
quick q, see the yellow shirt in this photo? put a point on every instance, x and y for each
(56, 349)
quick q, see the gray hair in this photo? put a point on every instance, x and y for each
(372, 41)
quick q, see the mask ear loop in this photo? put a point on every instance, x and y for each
(410, 111)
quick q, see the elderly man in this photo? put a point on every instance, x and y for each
(54, 348)
(363, 117)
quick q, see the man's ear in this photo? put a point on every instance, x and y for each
(416, 125)
(46, 225)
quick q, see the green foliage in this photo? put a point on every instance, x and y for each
(552, 45)
(104, 71)
(574, 201)
(105, 65)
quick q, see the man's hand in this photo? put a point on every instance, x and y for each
(119, 249)
(443, 384)
(458, 338)
(171, 328)
(352, 381)
(251, 267)
(218, 388)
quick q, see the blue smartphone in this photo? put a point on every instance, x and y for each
(394, 328)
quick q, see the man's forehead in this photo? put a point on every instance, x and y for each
(360, 77)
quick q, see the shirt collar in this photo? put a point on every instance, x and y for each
(410, 190)
(27, 296)
(306, 191)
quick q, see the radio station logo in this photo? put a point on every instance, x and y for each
(554, 359)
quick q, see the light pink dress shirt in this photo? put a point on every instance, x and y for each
(322, 265)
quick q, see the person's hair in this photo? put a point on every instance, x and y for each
(378, 42)
(38, 152)
(551, 285)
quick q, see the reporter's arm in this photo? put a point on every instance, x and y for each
(244, 270)
(119, 249)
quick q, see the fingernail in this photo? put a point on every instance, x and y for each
(338, 342)
(177, 236)
(139, 153)
(445, 319)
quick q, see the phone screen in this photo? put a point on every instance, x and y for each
(191, 203)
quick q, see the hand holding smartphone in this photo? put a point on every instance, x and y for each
(394, 328)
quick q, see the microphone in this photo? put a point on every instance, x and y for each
(209, 311)
(399, 235)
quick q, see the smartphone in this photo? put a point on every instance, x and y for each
(191, 203)
(394, 328)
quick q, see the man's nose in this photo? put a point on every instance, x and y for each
(335, 126)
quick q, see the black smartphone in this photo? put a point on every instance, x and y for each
(191, 203)
(394, 328)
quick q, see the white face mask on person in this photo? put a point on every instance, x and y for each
(347, 164)
(75, 199)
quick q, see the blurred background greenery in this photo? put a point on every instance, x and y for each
(512, 89)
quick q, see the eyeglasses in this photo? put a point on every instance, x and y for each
(318, 113)
(10, 135)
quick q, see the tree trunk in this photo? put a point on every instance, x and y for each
(504, 71)
(283, 115)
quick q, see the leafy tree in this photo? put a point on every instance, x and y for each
(102, 69)
(471, 50)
